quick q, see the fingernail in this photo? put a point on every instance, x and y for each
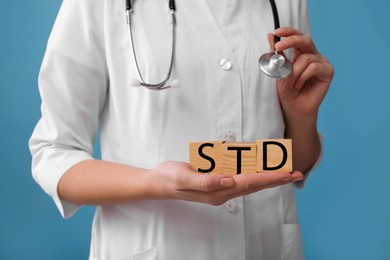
(226, 182)
(298, 179)
(278, 46)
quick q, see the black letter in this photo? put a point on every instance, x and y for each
(239, 149)
(200, 152)
(265, 163)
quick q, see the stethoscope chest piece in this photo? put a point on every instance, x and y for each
(275, 65)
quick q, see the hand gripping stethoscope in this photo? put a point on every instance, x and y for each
(274, 64)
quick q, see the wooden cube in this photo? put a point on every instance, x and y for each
(274, 155)
(238, 158)
(206, 157)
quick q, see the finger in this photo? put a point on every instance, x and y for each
(204, 183)
(220, 196)
(300, 65)
(295, 176)
(269, 186)
(287, 31)
(244, 184)
(250, 181)
(275, 185)
(265, 179)
(256, 189)
(271, 41)
(312, 70)
(303, 43)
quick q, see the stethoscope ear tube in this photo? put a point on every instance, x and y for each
(141, 82)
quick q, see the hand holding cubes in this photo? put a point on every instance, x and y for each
(236, 158)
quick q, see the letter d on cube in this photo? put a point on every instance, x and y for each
(274, 155)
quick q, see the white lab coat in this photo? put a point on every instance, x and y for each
(84, 84)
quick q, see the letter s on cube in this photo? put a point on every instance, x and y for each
(206, 157)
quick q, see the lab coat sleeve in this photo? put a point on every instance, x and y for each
(301, 184)
(73, 86)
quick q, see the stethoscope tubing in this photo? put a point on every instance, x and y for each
(276, 18)
(265, 62)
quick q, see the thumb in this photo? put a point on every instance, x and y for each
(206, 182)
(271, 41)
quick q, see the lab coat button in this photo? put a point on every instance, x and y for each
(225, 64)
(232, 206)
(229, 137)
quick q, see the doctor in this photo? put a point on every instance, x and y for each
(151, 204)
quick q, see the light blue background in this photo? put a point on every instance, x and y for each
(345, 207)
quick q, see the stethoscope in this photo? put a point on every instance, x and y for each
(274, 64)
